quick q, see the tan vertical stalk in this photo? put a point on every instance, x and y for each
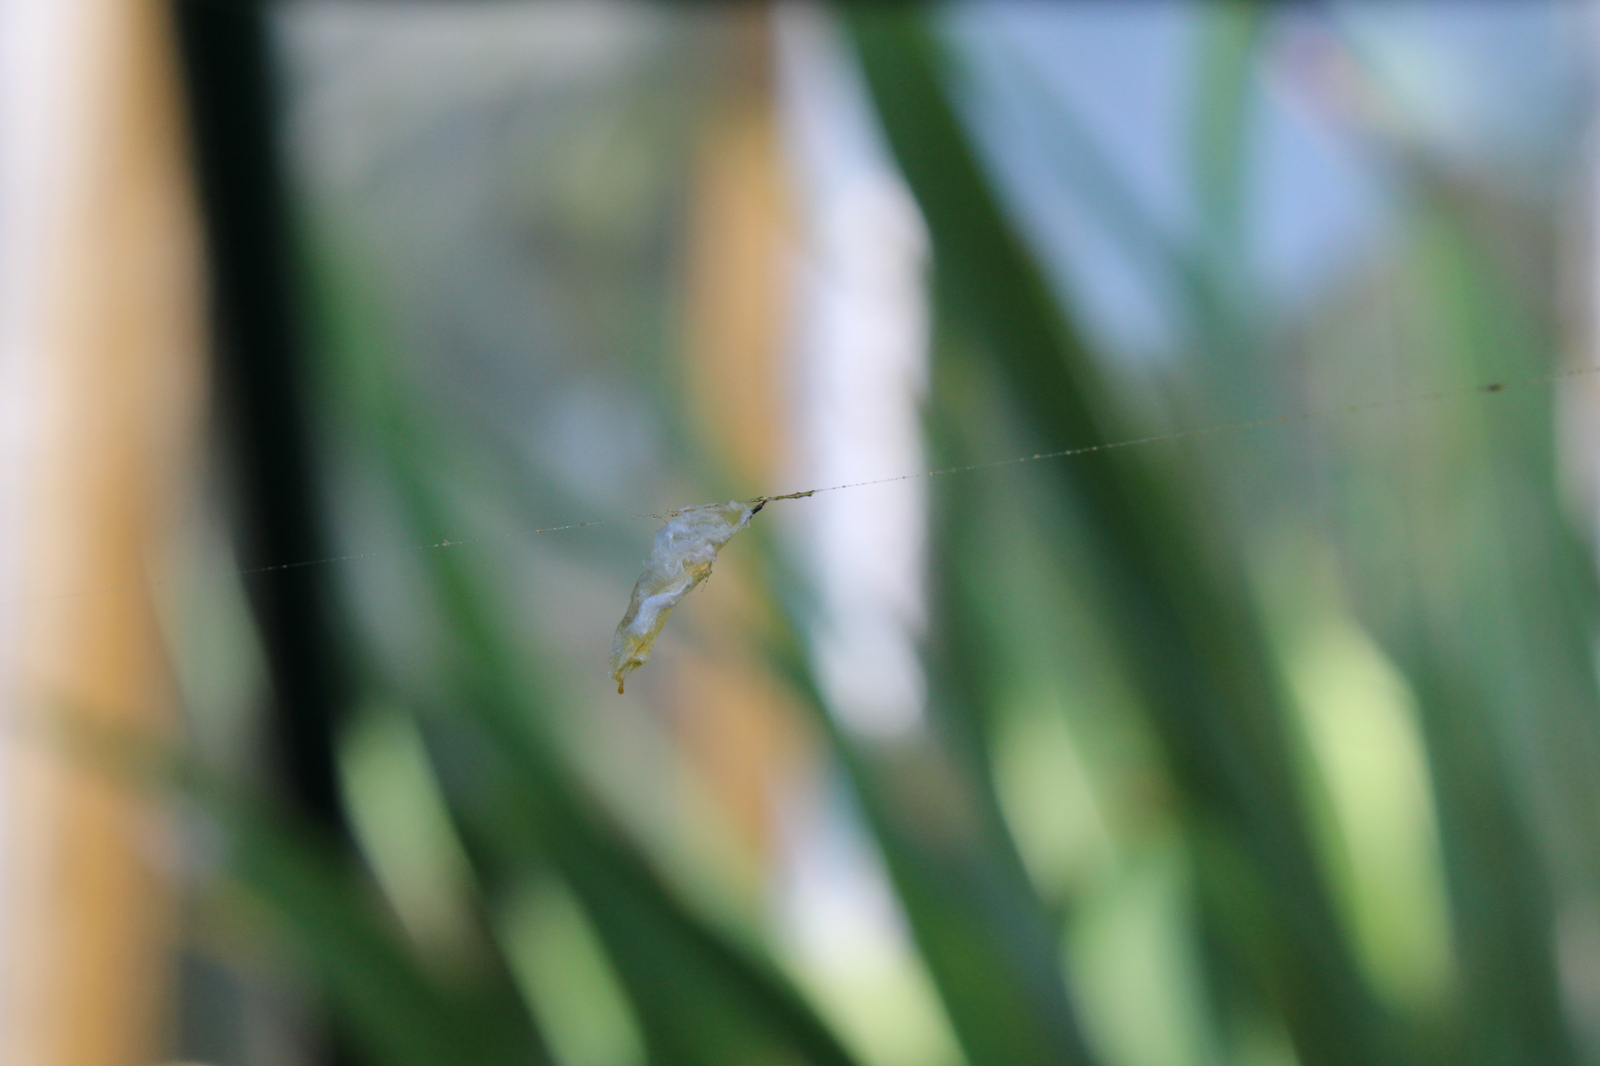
(98, 376)
(736, 728)
(738, 277)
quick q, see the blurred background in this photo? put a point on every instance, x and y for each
(1272, 741)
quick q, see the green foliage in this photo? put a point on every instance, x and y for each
(1175, 645)
(1175, 600)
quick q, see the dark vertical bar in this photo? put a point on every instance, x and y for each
(259, 372)
(259, 361)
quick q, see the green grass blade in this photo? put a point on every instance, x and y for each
(699, 998)
(375, 982)
(1190, 635)
(984, 934)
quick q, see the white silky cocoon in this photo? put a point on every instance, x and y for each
(680, 558)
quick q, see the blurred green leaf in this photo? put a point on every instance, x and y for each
(699, 998)
(335, 920)
(1169, 590)
(1505, 687)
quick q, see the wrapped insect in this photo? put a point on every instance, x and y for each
(680, 558)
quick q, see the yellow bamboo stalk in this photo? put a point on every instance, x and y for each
(738, 277)
(738, 729)
(98, 389)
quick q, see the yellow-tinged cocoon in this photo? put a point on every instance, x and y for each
(680, 558)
